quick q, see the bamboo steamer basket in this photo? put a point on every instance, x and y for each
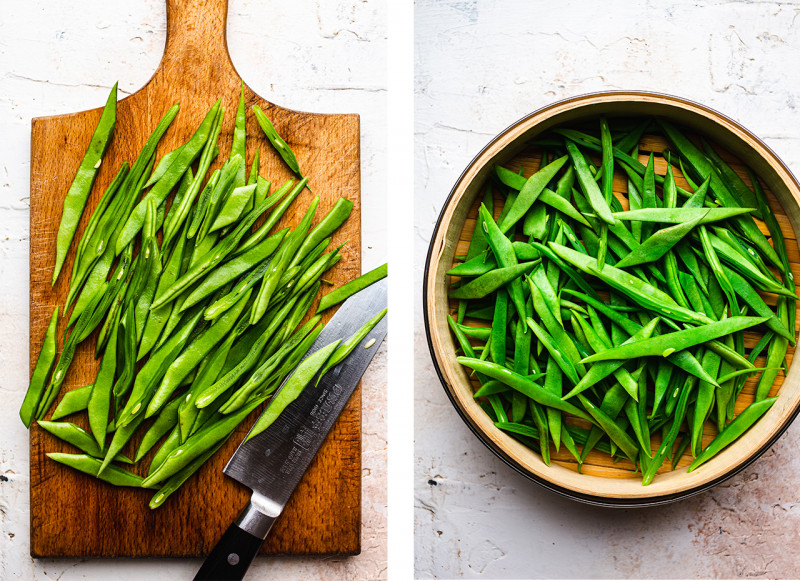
(602, 481)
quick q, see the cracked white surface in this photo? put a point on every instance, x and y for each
(309, 55)
(480, 66)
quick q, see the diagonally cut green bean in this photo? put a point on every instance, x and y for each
(588, 185)
(78, 193)
(665, 345)
(170, 178)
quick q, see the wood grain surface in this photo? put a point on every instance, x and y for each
(73, 515)
(601, 479)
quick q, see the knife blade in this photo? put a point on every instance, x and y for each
(272, 462)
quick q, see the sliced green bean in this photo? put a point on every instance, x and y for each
(78, 193)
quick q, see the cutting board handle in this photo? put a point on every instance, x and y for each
(196, 37)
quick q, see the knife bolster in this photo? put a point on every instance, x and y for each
(259, 516)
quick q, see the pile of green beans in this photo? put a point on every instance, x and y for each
(614, 319)
(197, 327)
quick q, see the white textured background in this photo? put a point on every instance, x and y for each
(326, 56)
(480, 66)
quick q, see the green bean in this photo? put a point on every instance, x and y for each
(327, 226)
(607, 171)
(659, 244)
(227, 175)
(775, 355)
(273, 367)
(277, 141)
(233, 206)
(94, 283)
(312, 274)
(262, 185)
(196, 445)
(239, 137)
(499, 325)
(598, 372)
(285, 200)
(481, 264)
(705, 400)
(171, 177)
(554, 327)
(732, 431)
(614, 431)
(166, 421)
(157, 317)
(207, 374)
(588, 185)
(731, 179)
(598, 344)
(755, 302)
(39, 377)
(564, 267)
(535, 224)
(740, 372)
(210, 259)
(529, 192)
(556, 352)
(716, 268)
(78, 193)
(122, 435)
(79, 438)
(275, 317)
(232, 269)
(493, 387)
(84, 254)
(349, 289)
(100, 399)
(177, 479)
(735, 260)
(190, 358)
(478, 246)
(665, 345)
(92, 466)
(503, 251)
(547, 196)
(643, 293)
(151, 270)
(170, 443)
(522, 384)
(279, 264)
(83, 327)
(700, 164)
(72, 402)
(697, 299)
(553, 383)
(128, 356)
(157, 363)
(348, 346)
(669, 440)
(681, 215)
(163, 166)
(297, 382)
(112, 221)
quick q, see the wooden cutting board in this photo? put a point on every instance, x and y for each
(73, 515)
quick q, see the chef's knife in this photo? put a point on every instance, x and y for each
(272, 463)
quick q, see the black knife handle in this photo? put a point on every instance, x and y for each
(232, 555)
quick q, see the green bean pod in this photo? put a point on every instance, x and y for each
(92, 466)
(78, 193)
(41, 373)
(163, 186)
